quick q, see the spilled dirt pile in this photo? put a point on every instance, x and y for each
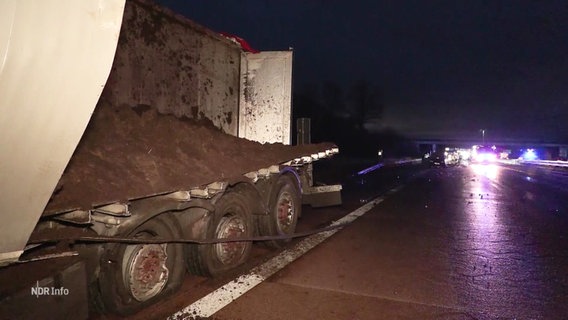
(128, 153)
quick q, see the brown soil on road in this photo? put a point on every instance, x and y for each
(128, 153)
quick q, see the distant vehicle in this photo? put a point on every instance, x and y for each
(436, 159)
(447, 157)
(483, 154)
(452, 157)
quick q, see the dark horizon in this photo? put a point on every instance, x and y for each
(444, 68)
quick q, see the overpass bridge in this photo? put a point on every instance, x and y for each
(545, 150)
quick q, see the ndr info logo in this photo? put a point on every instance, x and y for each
(49, 291)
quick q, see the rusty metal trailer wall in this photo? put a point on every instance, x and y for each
(175, 65)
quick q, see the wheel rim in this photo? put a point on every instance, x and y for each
(147, 273)
(230, 226)
(285, 211)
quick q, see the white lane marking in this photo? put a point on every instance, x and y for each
(218, 299)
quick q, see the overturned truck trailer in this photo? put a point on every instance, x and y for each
(188, 142)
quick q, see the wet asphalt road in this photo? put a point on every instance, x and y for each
(477, 242)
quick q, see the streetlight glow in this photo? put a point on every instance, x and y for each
(482, 135)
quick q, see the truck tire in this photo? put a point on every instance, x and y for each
(135, 276)
(285, 207)
(231, 219)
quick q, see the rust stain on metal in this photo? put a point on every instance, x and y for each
(173, 64)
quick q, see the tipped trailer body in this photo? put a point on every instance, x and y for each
(134, 138)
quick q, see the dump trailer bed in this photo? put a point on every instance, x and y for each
(177, 98)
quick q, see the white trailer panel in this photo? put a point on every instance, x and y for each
(55, 57)
(265, 109)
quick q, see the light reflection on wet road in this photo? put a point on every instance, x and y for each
(500, 270)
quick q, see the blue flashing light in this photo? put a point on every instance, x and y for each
(530, 154)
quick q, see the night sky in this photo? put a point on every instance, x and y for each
(444, 68)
